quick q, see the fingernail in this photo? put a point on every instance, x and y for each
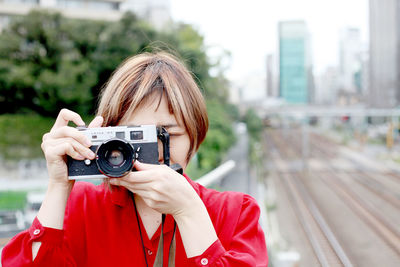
(112, 181)
(90, 154)
(99, 118)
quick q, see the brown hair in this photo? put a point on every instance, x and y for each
(139, 77)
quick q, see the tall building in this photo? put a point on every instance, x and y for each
(108, 10)
(157, 12)
(272, 79)
(295, 73)
(365, 73)
(327, 84)
(384, 25)
(350, 60)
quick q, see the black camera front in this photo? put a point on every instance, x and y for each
(116, 150)
(115, 157)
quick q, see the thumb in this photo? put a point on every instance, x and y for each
(96, 122)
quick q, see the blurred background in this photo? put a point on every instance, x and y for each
(303, 98)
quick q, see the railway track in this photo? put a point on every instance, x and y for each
(378, 187)
(370, 215)
(361, 207)
(325, 148)
(325, 245)
(319, 141)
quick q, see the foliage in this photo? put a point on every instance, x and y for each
(255, 130)
(12, 200)
(41, 66)
(219, 137)
(21, 135)
(254, 124)
(24, 133)
(48, 62)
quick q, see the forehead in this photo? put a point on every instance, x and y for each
(155, 110)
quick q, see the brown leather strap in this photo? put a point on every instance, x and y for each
(158, 262)
(172, 249)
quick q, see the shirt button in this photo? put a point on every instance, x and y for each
(36, 232)
(204, 261)
(149, 252)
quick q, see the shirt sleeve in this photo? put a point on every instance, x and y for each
(247, 246)
(52, 252)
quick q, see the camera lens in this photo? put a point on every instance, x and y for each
(115, 157)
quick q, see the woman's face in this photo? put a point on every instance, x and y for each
(157, 112)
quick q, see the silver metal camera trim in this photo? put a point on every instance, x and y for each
(87, 177)
(106, 133)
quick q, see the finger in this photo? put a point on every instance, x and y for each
(65, 116)
(86, 152)
(133, 179)
(139, 166)
(96, 122)
(140, 177)
(78, 147)
(145, 194)
(67, 131)
(128, 182)
(54, 152)
(142, 192)
(46, 136)
(119, 182)
(147, 186)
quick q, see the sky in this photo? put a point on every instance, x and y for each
(248, 29)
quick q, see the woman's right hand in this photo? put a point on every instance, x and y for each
(63, 140)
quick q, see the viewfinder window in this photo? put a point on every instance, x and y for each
(136, 135)
(120, 135)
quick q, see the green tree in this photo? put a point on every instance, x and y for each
(40, 67)
(48, 61)
(254, 124)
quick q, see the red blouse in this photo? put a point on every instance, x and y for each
(100, 229)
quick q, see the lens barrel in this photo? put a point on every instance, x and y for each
(115, 157)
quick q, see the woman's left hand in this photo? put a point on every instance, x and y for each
(162, 188)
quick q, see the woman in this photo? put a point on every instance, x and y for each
(118, 222)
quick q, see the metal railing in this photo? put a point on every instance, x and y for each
(217, 174)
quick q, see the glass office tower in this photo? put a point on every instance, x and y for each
(294, 62)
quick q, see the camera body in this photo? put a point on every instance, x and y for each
(116, 150)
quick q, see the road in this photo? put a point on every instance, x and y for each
(240, 179)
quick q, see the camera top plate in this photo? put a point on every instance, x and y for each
(132, 134)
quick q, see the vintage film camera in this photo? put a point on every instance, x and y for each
(116, 150)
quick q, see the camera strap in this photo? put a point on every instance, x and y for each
(140, 230)
(163, 135)
(158, 262)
